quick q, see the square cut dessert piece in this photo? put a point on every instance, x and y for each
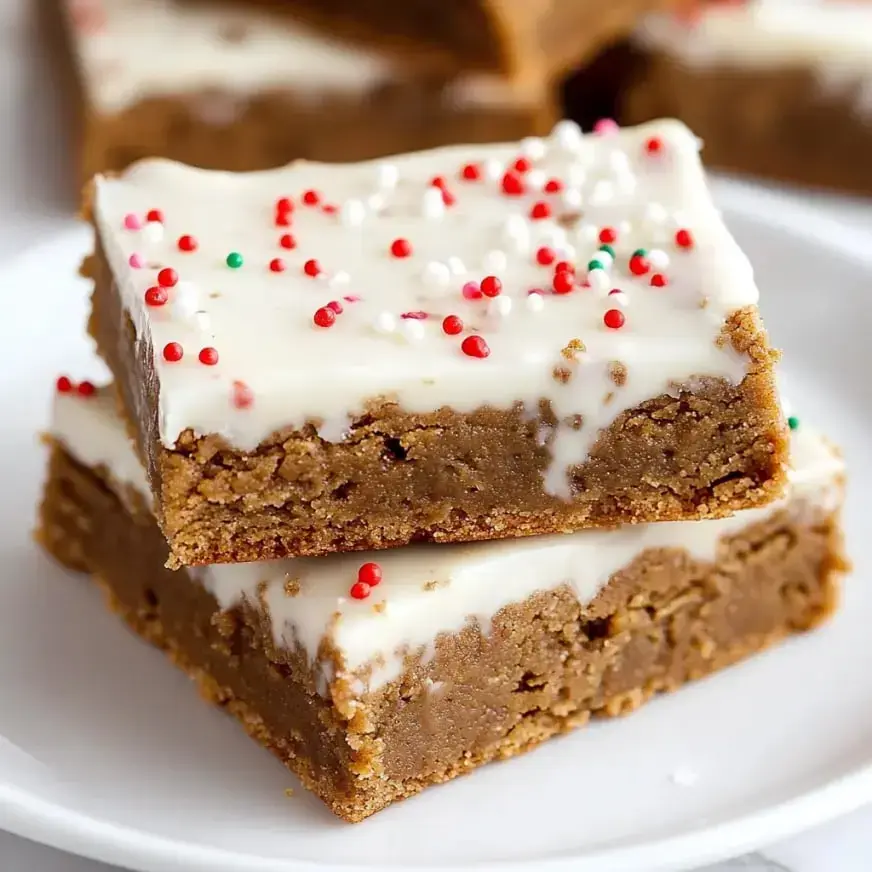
(773, 91)
(520, 38)
(241, 89)
(373, 676)
(468, 343)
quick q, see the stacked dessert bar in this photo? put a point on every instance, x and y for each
(775, 88)
(338, 379)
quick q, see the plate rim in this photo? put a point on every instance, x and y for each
(62, 828)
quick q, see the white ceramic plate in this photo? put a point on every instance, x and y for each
(106, 750)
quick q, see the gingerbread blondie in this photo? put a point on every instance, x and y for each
(772, 92)
(374, 676)
(240, 89)
(469, 343)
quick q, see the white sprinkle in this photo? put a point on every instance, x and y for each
(436, 274)
(536, 180)
(572, 198)
(567, 251)
(603, 192)
(433, 206)
(457, 266)
(655, 214)
(554, 235)
(620, 299)
(495, 261)
(658, 258)
(412, 329)
(533, 147)
(535, 302)
(204, 322)
(684, 776)
(568, 134)
(352, 213)
(153, 231)
(375, 202)
(619, 162)
(339, 279)
(385, 322)
(587, 233)
(599, 280)
(186, 299)
(493, 168)
(500, 305)
(604, 258)
(388, 175)
(625, 228)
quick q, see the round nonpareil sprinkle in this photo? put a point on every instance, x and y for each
(614, 319)
(540, 211)
(208, 356)
(360, 590)
(452, 325)
(86, 389)
(336, 307)
(173, 352)
(136, 261)
(324, 317)
(154, 215)
(156, 296)
(563, 282)
(132, 222)
(793, 422)
(167, 277)
(491, 286)
(639, 265)
(545, 256)
(311, 198)
(472, 291)
(187, 243)
(277, 265)
(401, 248)
(475, 346)
(471, 172)
(64, 384)
(658, 280)
(287, 241)
(234, 260)
(684, 238)
(512, 184)
(370, 573)
(312, 268)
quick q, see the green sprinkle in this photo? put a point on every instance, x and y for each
(640, 252)
(234, 260)
(793, 422)
(608, 249)
(595, 264)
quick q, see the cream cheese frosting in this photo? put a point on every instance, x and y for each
(561, 261)
(428, 590)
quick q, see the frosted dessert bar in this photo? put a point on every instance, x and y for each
(373, 676)
(463, 344)
(773, 90)
(217, 85)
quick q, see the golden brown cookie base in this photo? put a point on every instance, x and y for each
(778, 123)
(238, 133)
(446, 477)
(547, 665)
(540, 39)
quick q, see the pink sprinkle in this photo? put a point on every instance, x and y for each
(535, 291)
(605, 126)
(352, 298)
(136, 261)
(415, 316)
(615, 291)
(472, 291)
(132, 222)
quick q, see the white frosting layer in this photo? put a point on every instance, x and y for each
(291, 371)
(832, 37)
(428, 590)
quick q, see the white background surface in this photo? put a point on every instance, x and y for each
(36, 199)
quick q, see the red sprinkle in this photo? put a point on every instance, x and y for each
(287, 241)
(639, 265)
(545, 256)
(370, 574)
(452, 325)
(553, 186)
(471, 172)
(563, 282)
(167, 277)
(335, 306)
(565, 266)
(540, 210)
(471, 291)
(608, 235)
(684, 239)
(154, 215)
(208, 356)
(63, 384)
(522, 165)
(311, 198)
(155, 296)
(283, 219)
(491, 286)
(324, 317)
(658, 280)
(243, 396)
(86, 389)
(277, 265)
(513, 185)
(447, 197)
(360, 590)
(437, 182)
(173, 352)
(614, 319)
(329, 208)
(654, 145)
(284, 204)
(187, 243)
(401, 248)
(474, 346)
(312, 268)
(417, 315)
